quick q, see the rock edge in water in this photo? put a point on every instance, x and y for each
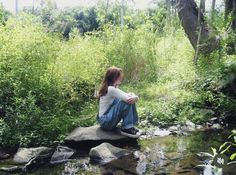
(106, 152)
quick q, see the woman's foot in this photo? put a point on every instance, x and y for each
(131, 132)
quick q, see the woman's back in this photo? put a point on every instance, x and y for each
(106, 100)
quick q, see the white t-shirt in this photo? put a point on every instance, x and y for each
(112, 93)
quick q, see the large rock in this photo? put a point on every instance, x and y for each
(93, 136)
(105, 153)
(135, 163)
(24, 155)
(61, 154)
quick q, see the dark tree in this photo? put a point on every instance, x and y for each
(4, 15)
(230, 11)
(213, 9)
(199, 33)
(92, 20)
(230, 17)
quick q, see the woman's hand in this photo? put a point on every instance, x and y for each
(132, 99)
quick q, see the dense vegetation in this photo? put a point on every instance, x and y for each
(50, 70)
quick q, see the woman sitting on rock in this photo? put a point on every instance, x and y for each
(115, 104)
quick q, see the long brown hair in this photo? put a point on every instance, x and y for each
(112, 74)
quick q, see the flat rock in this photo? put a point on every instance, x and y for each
(93, 133)
(105, 153)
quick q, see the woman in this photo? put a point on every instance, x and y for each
(115, 104)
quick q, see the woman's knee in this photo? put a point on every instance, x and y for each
(125, 103)
(106, 124)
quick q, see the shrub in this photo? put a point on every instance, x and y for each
(45, 82)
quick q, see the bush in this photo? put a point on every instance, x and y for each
(45, 82)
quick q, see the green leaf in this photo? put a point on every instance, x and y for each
(226, 149)
(214, 151)
(223, 145)
(233, 156)
(230, 163)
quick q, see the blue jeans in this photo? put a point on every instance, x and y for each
(119, 110)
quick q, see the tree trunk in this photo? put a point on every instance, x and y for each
(122, 14)
(17, 7)
(230, 8)
(33, 8)
(205, 41)
(202, 6)
(234, 16)
(168, 5)
(213, 5)
(106, 11)
(230, 13)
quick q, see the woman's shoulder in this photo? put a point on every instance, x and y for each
(111, 87)
(114, 90)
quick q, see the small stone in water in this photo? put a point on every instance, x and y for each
(162, 132)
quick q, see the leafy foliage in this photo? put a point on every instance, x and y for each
(222, 159)
(38, 99)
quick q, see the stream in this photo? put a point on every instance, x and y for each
(156, 155)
